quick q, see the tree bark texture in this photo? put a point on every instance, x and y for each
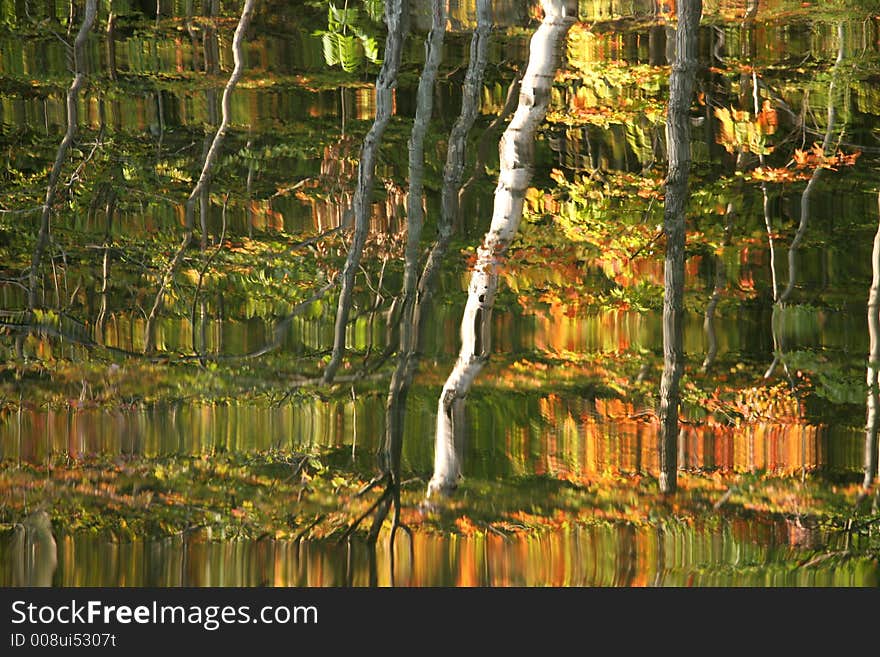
(408, 342)
(473, 82)
(678, 147)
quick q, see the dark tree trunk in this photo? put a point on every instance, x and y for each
(678, 145)
(409, 327)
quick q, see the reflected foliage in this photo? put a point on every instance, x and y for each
(225, 455)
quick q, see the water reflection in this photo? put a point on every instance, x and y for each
(516, 153)
(730, 554)
(201, 189)
(509, 434)
(678, 148)
(385, 84)
(872, 425)
(283, 187)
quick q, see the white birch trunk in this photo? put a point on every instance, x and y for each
(516, 152)
(872, 424)
(33, 552)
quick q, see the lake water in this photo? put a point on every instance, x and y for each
(778, 272)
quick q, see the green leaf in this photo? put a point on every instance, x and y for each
(340, 18)
(371, 49)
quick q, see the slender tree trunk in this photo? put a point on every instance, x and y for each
(402, 377)
(678, 145)
(451, 193)
(424, 106)
(872, 425)
(516, 152)
(204, 177)
(806, 197)
(814, 179)
(385, 84)
(470, 104)
(717, 290)
(486, 139)
(111, 43)
(79, 68)
(100, 322)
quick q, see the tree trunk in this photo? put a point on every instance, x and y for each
(34, 553)
(678, 146)
(470, 103)
(385, 84)
(205, 176)
(778, 315)
(79, 67)
(872, 425)
(403, 373)
(516, 152)
(424, 107)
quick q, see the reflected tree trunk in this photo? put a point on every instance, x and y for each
(678, 146)
(385, 84)
(110, 211)
(193, 34)
(451, 193)
(249, 190)
(470, 103)
(204, 177)
(872, 425)
(80, 72)
(516, 152)
(211, 43)
(657, 45)
(111, 43)
(779, 306)
(720, 284)
(212, 67)
(747, 28)
(160, 126)
(808, 191)
(488, 136)
(408, 341)
(34, 551)
(720, 277)
(424, 107)
(407, 356)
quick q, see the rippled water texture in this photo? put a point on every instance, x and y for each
(182, 299)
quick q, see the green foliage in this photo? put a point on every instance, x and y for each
(350, 51)
(833, 380)
(375, 9)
